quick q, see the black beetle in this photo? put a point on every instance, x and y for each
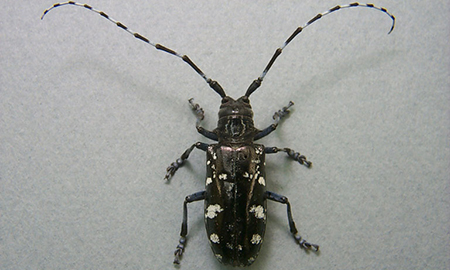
(235, 195)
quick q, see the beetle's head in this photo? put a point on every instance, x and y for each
(235, 120)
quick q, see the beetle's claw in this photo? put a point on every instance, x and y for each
(170, 172)
(309, 246)
(199, 112)
(305, 162)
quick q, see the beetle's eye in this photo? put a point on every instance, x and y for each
(244, 99)
(225, 100)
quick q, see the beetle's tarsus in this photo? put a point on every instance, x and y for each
(179, 251)
(305, 245)
(199, 112)
(282, 113)
(170, 171)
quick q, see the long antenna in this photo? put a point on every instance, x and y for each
(257, 83)
(213, 84)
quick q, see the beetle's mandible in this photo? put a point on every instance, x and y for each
(235, 196)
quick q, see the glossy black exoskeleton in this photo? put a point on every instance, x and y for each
(235, 195)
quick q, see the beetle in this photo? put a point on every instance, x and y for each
(235, 196)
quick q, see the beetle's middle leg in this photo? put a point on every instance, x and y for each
(182, 242)
(284, 200)
(277, 118)
(291, 153)
(170, 171)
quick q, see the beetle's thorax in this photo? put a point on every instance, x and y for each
(235, 123)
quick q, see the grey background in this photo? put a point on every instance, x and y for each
(90, 119)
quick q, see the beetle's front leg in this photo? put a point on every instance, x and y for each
(200, 114)
(182, 242)
(276, 117)
(284, 200)
(170, 171)
(291, 153)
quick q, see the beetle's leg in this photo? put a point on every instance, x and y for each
(291, 153)
(302, 242)
(276, 117)
(200, 114)
(170, 171)
(182, 242)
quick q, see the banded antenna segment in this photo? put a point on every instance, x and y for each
(257, 83)
(213, 84)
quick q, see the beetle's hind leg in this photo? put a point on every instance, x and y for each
(284, 200)
(182, 242)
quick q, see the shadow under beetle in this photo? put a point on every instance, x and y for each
(235, 195)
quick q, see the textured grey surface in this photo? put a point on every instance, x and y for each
(90, 118)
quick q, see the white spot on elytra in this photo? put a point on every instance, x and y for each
(261, 181)
(218, 256)
(213, 210)
(208, 180)
(256, 239)
(223, 176)
(208, 162)
(214, 238)
(257, 161)
(246, 175)
(258, 211)
(214, 156)
(229, 188)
